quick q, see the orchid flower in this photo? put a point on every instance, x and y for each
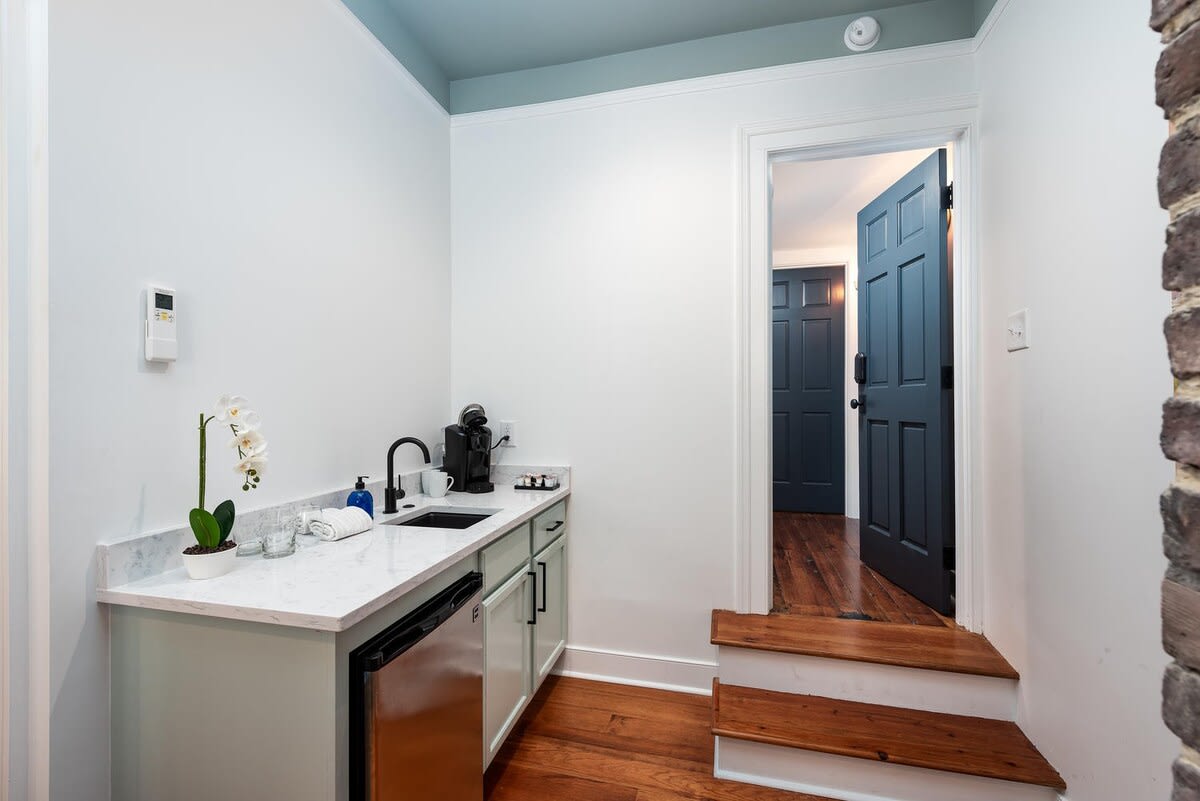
(251, 468)
(247, 421)
(231, 409)
(251, 465)
(248, 443)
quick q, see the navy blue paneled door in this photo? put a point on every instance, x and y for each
(905, 409)
(809, 372)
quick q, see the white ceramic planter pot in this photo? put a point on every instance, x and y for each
(210, 565)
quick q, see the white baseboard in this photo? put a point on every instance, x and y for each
(640, 670)
(909, 688)
(850, 779)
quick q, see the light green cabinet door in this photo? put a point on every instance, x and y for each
(550, 634)
(508, 679)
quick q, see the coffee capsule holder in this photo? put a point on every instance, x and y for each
(537, 481)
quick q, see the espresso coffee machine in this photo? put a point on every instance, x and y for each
(468, 457)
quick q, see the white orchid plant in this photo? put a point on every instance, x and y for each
(212, 529)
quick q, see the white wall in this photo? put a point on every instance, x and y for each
(270, 162)
(1071, 230)
(594, 290)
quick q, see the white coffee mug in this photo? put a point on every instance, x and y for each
(439, 484)
(427, 478)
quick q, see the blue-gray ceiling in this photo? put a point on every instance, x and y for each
(473, 55)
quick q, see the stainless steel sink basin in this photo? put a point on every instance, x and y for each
(443, 517)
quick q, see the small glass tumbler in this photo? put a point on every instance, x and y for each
(280, 539)
(305, 515)
(249, 546)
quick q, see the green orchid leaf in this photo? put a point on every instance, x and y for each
(224, 515)
(205, 527)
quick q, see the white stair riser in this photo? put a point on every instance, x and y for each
(910, 688)
(850, 779)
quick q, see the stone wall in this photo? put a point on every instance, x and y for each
(1178, 89)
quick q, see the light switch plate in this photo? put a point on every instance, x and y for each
(1017, 330)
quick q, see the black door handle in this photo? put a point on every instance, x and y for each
(542, 565)
(855, 403)
(533, 607)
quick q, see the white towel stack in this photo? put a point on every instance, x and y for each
(337, 524)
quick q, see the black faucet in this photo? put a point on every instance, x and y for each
(391, 494)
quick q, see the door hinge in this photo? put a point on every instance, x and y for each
(948, 197)
(948, 377)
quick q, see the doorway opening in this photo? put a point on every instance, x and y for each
(862, 363)
(858, 132)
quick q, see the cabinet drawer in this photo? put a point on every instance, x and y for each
(504, 556)
(548, 525)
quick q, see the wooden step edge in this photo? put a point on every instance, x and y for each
(1049, 777)
(716, 700)
(985, 661)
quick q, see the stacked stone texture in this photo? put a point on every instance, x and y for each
(1178, 92)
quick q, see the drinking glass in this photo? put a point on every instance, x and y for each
(305, 515)
(249, 546)
(280, 539)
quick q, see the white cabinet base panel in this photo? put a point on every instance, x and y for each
(910, 688)
(851, 779)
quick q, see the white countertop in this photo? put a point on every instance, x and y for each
(330, 586)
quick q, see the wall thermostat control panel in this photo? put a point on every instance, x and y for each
(161, 344)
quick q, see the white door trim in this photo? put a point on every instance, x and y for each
(24, 256)
(39, 400)
(5, 582)
(869, 131)
(30, 60)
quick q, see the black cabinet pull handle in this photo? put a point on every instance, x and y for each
(555, 527)
(542, 565)
(533, 607)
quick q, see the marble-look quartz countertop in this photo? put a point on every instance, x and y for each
(330, 586)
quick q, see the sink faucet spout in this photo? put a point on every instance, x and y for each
(392, 494)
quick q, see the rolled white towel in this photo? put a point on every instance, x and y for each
(324, 527)
(357, 519)
(337, 524)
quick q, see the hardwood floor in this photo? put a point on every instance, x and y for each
(591, 741)
(818, 572)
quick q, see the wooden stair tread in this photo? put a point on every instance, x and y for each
(926, 647)
(995, 749)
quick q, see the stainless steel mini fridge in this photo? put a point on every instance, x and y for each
(416, 705)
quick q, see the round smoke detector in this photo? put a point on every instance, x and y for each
(862, 34)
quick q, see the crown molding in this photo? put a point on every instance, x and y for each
(373, 43)
(787, 72)
(989, 24)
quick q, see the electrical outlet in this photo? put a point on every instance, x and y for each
(1017, 330)
(508, 428)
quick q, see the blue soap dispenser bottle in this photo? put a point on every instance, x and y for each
(361, 498)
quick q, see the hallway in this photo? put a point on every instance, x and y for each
(818, 572)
